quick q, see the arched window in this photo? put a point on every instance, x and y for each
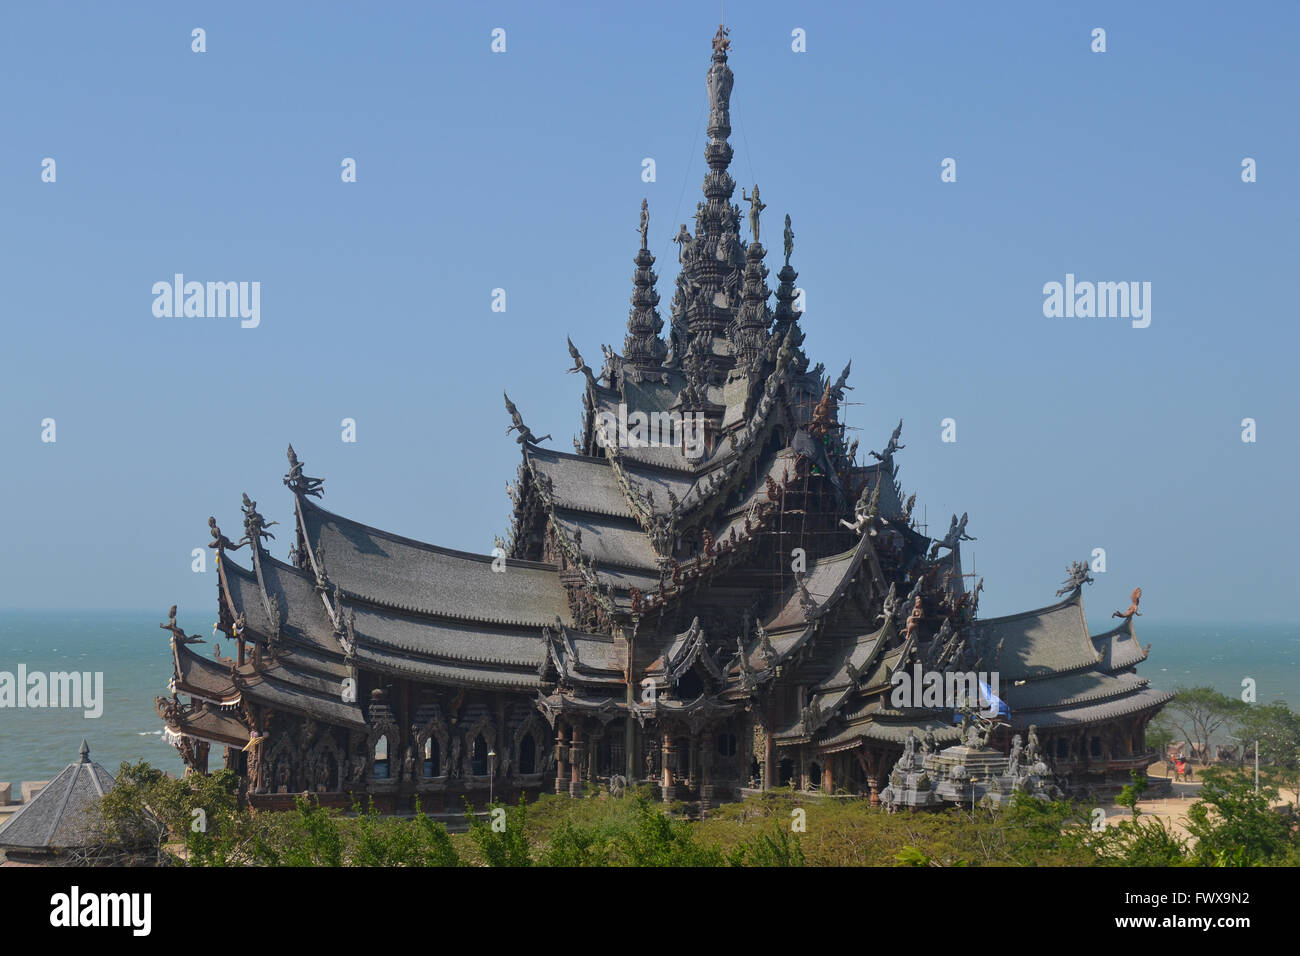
(380, 771)
(785, 771)
(527, 754)
(431, 758)
(727, 745)
(814, 775)
(1096, 746)
(479, 760)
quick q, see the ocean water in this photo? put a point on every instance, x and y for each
(135, 658)
(133, 654)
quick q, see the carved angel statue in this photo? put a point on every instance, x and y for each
(861, 510)
(254, 524)
(789, 239)
(645, 221)
(683, 239)
(720, 41)
(1132, 611)
(578, 364)
(956, 533)
(756, 207)
(525, 434)
(893, 446)
(300, 483)
(1078, 574)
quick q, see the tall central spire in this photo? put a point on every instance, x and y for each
(709, 285)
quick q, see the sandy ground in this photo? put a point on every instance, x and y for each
(1173, 810)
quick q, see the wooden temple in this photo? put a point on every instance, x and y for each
(718, 611)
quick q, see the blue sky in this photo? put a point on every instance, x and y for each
(522, 171)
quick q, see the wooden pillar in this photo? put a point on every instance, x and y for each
(706, 751)
(575, 762)
(666, 760)
(769, 756)
(826, 774)
(561, 771)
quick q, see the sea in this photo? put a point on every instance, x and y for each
(133, 655)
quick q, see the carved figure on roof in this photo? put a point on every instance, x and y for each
(841, 383)
(756, 207)
(806, 602)
(578, 365)
(219, 541)
(956, 533)
(720, 41)
(1132, 611)
(789, 239)
(178, 635)
(254, 524)
(822, 414)
(645, 221)
(890, 609)
(894, 445)
(915, 593)
(862, 510)
(907, 508)
(683, 240)
(914, 618)
(525, 434)
(928, 743)
(300, 483)
(1077, 575)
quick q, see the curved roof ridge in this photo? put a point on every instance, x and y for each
(426, 545)
(1076, 597)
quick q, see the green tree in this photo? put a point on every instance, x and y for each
(769, 850)
(1277, 728)
(391, 841)
(311, 839)
(501, 845)
(658, 840)
(1235, 826)
(1198, 712)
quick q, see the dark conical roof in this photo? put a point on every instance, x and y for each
(58, 816)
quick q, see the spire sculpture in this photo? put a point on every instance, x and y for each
(643, 349)
(708, 286)
(749, 333)
(785, 315)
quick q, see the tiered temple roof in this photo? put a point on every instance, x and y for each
(745, 574)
